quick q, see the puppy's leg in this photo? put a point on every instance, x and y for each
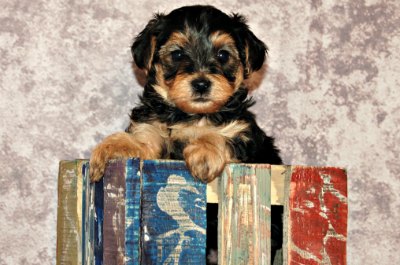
(206, 156)
(144, 141)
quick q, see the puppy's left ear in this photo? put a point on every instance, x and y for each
(252, 51)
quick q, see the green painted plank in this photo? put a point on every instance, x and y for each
(87, 213)
(244, 215)
(69, 212)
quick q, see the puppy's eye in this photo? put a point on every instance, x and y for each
(223, 56)
(177, 55)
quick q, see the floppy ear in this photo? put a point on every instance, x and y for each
(145, 43)
(252, 51)
(255, 51)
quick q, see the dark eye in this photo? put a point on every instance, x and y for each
(223, 56)
(177, 55)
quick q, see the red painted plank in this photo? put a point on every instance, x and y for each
(317, 216)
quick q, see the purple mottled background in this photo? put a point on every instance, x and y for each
(330, 96)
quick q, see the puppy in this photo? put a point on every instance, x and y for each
(195, 106)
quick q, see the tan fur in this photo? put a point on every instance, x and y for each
(206, 156)
(143, 140)
(194, 130)
(175, 41)
(161, 87)
(207, 151)
(153, 48)
(239, 77)
(154, 135)
(247, 70)
(177, 38)
(180, 93)
(180, 89)
(221, 39)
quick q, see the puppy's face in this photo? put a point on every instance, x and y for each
(196, 57)
(198, 72)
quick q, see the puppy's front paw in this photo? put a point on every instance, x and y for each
(97, 164)
(98, 160)
(118, 145)
(205, 159)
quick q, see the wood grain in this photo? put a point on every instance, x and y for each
(173, 214)
(153, 212)
(87, 214)
(316, 216)
(71, 213)
(132, 212)
(98, 222)
(244, 215)
(277, 187)
(114, 213)
(68, 241)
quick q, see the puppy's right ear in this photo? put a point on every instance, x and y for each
(144, 46)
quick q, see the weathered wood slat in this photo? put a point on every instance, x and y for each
(132, 212)
(244, 215)
(68, 241)
(87, 215)
(277, 187)
(153, 212)
(114, 213)
(76, 217)
(173, 214)
(316, 216)
(277, 184)
(98, 222)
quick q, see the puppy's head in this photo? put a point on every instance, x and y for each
(196, 57)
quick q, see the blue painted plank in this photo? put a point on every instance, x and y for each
(87, 248)
(132, 212)
(173, 214)
(98, 222)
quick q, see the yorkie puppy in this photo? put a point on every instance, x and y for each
(194, 105)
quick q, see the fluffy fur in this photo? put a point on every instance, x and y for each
(195, 105)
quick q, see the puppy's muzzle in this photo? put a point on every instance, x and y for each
(201, 86)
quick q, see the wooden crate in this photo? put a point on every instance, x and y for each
(153, 212)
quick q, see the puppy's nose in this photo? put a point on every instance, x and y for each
(201, 86)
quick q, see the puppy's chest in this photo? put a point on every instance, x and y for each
(190, 131)
(182, 134)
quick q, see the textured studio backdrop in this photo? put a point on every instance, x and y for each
(330, 96)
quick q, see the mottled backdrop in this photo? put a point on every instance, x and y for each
(330, 95)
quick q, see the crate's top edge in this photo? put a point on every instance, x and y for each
(319, 167)
(240, 163)
(74, 160)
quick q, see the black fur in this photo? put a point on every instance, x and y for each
(260, 148)
(202, 21)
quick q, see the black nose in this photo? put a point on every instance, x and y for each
(201, 86)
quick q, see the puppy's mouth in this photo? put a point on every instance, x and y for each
(201, 99)
(198, 104)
